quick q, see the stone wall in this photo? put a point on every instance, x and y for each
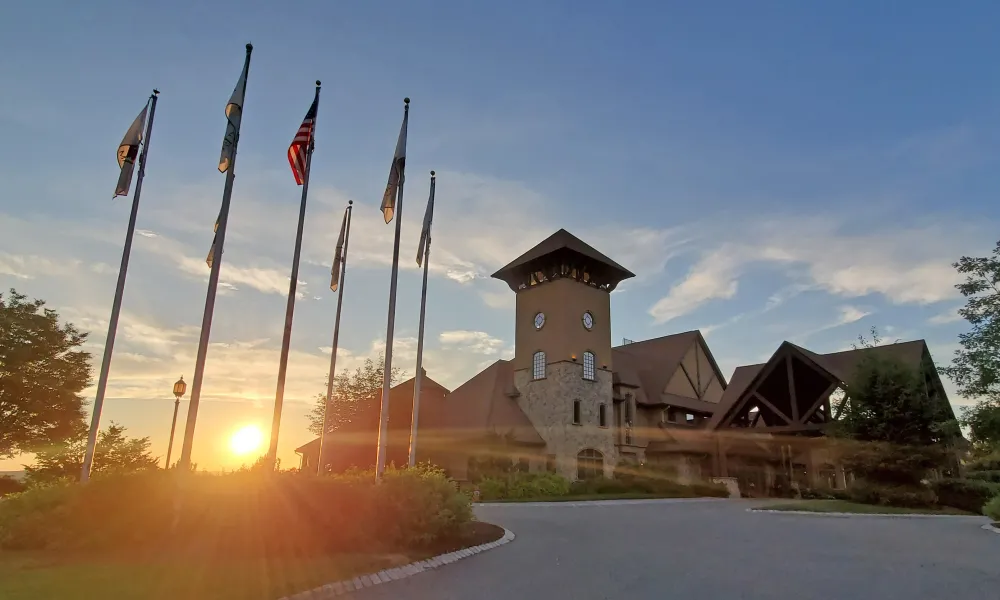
(548, 403)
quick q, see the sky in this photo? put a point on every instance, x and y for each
(770, 171)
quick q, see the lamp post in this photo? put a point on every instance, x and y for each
(179, 388)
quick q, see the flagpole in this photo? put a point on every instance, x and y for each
(336, 338)
(109, 345)
(213, 285)
(420, 340)
(383, 417)
(286, 337)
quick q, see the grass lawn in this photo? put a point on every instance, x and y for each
(197, 576)
(822, 506)
(583, 497)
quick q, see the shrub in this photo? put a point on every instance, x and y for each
(238, 513)
(904, 496)
(965, 494)
(992, 509)
(892, 464)
(9, 485)
(990, 476)
(710, 490)
(990, 462)
(808, 493)
(536, 485)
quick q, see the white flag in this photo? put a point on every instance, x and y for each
(234, 113)
(338, 256)
(396, 170)
(425, 232)
(128, 151)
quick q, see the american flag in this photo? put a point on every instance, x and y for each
(303, 143)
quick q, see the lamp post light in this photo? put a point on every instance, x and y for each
(179, 388)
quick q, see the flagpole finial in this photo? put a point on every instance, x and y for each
(350, 202)
(156, 92)
(406, 100)
(432, 174)
(318, 83)
(249, 48)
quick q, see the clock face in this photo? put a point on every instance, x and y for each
(539, 320)
(588, 320)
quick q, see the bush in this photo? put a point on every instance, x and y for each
(9, 485)
(904, 496)
(808, 493)
(965, 494)
(992, 509)
(990, 462)
(892, 464)
(238, 513)
(990, 476)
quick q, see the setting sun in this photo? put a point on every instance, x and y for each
(246, 439)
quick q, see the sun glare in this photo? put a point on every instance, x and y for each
(246, 439)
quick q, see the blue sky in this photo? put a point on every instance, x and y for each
(769, 170)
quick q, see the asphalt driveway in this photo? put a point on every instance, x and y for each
(713, 549)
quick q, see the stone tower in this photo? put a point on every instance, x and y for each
(562, 349)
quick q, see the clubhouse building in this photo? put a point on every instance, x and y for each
(571, 402)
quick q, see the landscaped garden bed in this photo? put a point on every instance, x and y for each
(239, 536)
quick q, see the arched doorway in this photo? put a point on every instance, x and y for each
(589, 464)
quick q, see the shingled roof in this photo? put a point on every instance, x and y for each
(563, 240)
(488, 403)
(649, 365)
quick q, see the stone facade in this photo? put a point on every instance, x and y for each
(548, 403)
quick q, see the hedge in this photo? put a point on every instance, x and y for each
(904, 496)
(238, 513)
(965, 494)
(991, 476)
(992, 509)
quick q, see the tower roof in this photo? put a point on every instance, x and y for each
(558, 247)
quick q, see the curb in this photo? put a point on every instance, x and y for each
(339, 588)
(876, 515)
(989, 527)
(619, 502)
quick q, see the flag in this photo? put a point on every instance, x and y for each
(128, 151)
(303, 142)
(395, 171)
(234, 112)
(338, 256)
(211, 251)
(425, 232)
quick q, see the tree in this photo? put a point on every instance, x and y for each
(114, 453)
(888, 402)
(350, 394)
(42, 372)
(975, 369)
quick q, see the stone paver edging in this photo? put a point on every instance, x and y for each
(991, 527)
(339, 588)
(813, 513)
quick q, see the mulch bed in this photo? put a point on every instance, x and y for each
(474, 534)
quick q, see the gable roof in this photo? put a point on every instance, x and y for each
(840, 365)
(650, 364)
(488, 403)
(563, 240)
(432, 413)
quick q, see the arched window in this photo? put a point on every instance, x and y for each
(538, 365)
(589, 464)
(588, 365)
(576, 412)
(603, 415)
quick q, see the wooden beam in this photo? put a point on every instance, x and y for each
(840, 408)
(794, 428)
(824, 397)
(791, 389)
(774, 409)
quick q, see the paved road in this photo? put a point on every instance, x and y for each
(707, 549)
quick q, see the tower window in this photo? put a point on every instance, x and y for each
(588, 365)
(538, 365)
(576, 412)
(603, 415)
